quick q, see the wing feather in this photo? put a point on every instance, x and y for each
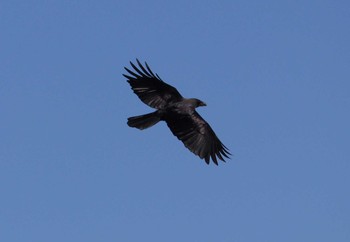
(150, 88)
(143, 69)
(149, 69)
(197, 136)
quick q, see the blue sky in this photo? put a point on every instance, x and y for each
(275, 76)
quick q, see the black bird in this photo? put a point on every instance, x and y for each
(178, 112)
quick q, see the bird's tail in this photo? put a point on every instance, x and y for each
(144, 121)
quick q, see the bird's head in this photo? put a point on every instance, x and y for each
(200, 103)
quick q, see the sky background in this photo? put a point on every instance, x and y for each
(274, 74)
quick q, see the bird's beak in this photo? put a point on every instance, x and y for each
(203, 104)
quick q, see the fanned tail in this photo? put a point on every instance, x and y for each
(144, 121)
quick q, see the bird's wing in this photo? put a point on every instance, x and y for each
(197, 136)
(150, 88)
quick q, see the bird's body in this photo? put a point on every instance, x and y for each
(178, 112)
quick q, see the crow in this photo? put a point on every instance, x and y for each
(178, 112)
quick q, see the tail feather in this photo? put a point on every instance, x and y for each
(144, 121)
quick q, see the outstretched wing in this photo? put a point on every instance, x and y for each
(197, 136)
(150, 88)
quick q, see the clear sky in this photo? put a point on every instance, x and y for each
(274, 74)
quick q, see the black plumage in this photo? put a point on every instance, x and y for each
(178, 112)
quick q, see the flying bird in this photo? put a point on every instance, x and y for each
(178, 112)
